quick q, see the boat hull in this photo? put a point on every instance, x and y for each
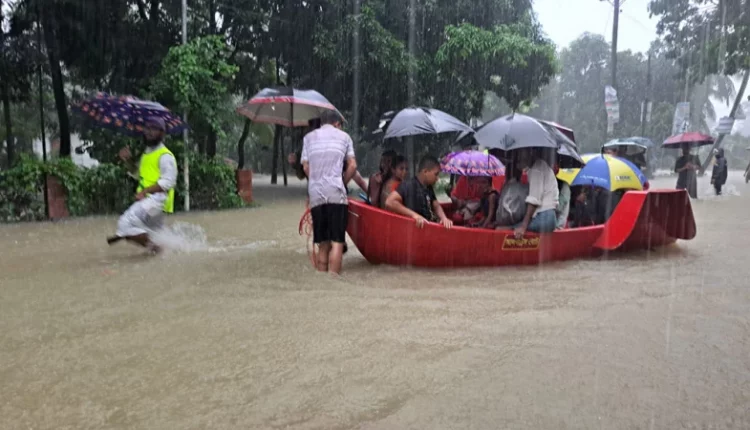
(641, 220)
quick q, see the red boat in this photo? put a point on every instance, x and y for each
(642, 220)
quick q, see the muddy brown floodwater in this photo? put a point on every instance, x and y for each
(240, 332)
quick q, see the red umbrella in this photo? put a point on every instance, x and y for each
(692, 138)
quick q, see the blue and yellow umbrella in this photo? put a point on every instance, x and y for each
(605, 171)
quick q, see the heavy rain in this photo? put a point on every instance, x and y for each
(532, 212)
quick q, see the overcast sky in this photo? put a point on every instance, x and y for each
(566, 20)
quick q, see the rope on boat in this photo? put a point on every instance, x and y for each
(306, 228)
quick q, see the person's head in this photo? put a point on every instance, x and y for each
(525, 158)
(331, 117)
(154, 130)
(582, 194)
(720, 153)
(482, 184)
(685, 149)
(386, 160)
(428, 170)
(609, 151)
(399, 167)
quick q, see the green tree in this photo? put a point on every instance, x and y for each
(196, 77)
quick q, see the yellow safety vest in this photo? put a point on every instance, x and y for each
(149, 174)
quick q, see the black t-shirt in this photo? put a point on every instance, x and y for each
(418, 198)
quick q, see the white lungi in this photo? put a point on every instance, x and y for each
(143, 216)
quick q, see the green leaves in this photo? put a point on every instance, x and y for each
(196, 77)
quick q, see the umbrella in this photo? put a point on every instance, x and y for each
(418, 120)
(568, 132)
(516, 131)
(631, 145)
(285, 106)
(472, 163)
(383, 123)
(605, 171)
(126, 114)
(691, 139)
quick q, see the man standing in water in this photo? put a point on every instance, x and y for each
(157, 176)
(686, 167)
(325, 152)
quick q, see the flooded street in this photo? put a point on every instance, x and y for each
(236, 330)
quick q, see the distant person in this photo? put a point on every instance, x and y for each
(416, 198)
(686, 167)
(393, 179)
(157, 177)
(720, 171)
(485, 215)
(541, 203)
(325, 152)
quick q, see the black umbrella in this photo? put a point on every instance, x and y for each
(418, 121)
(518, 131)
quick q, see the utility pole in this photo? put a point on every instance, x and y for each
(356, 78)
(186, 160)
(412, 84)
(41, 107)
(644, 113)
(615, 25)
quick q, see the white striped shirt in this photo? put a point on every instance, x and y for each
(325, 150)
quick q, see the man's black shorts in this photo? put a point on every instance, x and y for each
(329, 223)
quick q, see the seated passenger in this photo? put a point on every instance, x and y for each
(393, 178)
(511, 206)
(485, 216)
(563, 204)
(374, 184)
(415, 198)
(543, 196)
(583, 207)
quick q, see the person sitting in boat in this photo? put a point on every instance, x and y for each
(395, 176)
(583, 212)
(376, 180)
(415, 198)
(563, 204)
(511, 206)
(541, 203)
(484, 217)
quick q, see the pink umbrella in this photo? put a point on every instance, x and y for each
(692, 138)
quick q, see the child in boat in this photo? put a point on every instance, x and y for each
(375, 182)
(395, 176)
(415, 198)
(485, 215)
(583, 207)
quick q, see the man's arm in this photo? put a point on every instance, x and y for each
(438, 209)
(395, 203)
(351, 169)
(360, 181)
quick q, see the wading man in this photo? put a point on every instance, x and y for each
(325, 152)
(157, 176)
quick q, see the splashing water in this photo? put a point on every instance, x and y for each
(185, 237)
(181, 236)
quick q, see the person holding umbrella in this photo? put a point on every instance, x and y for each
(686, 167)
(541, 203)
(157, 177)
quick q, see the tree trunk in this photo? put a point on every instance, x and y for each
(241, 144)
(283, 163)
(10, 141)
(61, 104)
(275, 155)
(211, 144)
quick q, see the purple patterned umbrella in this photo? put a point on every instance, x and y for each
(472, 163)
(126, 114)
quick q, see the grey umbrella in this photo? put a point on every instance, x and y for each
(418, 120)
(518, 131)
(632, 145)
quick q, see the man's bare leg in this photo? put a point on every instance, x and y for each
(324, 249)
(144, 241)
(335, 257)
